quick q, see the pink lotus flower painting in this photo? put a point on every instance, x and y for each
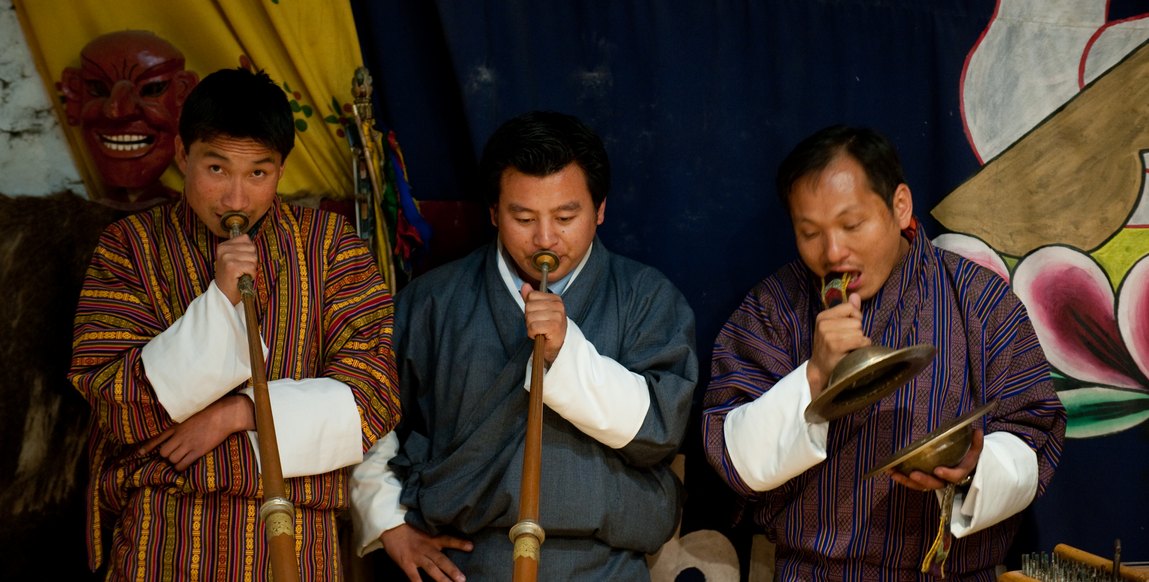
(1096, 337)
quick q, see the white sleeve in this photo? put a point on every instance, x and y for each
(769, 440)
(1004, 483)
(201, 357)
(598, 395)
(375, 490)
(317, 425)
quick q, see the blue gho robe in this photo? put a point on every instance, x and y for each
(463, 352)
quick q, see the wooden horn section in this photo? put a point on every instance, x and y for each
(277, 512)
(527, 534)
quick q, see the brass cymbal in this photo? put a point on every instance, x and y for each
(944, 447)
(865, 376)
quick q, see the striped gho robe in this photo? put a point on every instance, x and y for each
(325, 313)
(829, 523)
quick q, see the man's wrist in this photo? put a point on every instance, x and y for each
(815, 380)
(244, 413)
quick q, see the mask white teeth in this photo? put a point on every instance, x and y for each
(125, 142)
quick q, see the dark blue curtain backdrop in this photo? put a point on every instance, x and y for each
(697, 103)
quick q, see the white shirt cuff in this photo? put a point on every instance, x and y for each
(769, 440)
(201, 357)
(317, 425)
(375, 491)
(1004, 483)
(598, 395)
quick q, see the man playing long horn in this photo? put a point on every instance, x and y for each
(621, 372)
(161, 354)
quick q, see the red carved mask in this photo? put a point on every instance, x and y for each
(126, 97)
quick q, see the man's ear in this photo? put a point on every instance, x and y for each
(181, 156)
(903, 206)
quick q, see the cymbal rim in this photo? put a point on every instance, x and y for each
(828, 405)
(938, 434)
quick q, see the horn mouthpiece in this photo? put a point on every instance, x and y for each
(234, 223)
(545, 260)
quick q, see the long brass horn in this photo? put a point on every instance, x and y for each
(277, 512)
(865, 375)
(527, 534)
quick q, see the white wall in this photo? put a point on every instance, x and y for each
(34, 155)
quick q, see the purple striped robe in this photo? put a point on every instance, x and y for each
(831, 524)
(325, 312)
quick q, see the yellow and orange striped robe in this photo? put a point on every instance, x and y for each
(325, 312)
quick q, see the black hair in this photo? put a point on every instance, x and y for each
(241, 104)
(541, 143)
(869, 148)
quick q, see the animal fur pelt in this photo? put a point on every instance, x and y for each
(45, 245)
